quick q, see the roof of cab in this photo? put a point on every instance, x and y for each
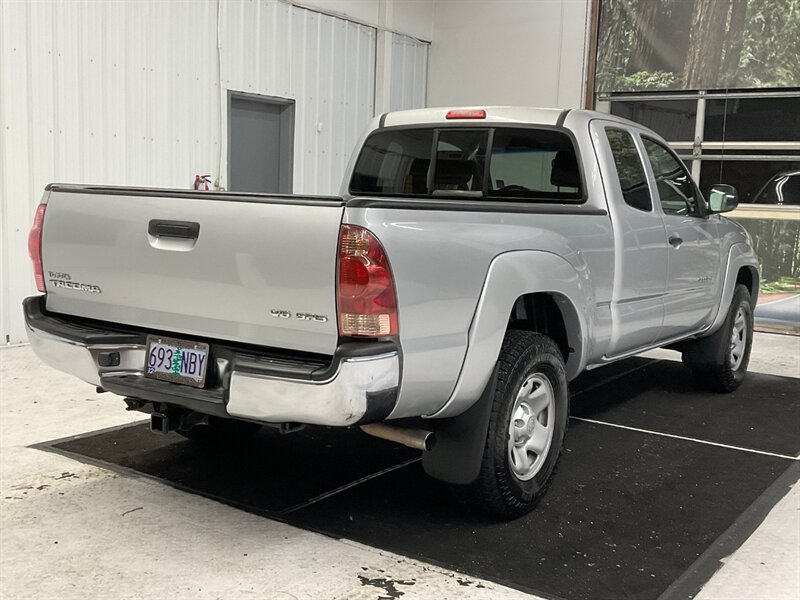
(494, 114)
(571, 118)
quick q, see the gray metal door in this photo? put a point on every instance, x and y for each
(260, 144)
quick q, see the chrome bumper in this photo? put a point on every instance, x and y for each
(344, 399)
(362, 388)
(81, 360)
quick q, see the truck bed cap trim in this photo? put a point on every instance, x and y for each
(195, 195)
(475, 206)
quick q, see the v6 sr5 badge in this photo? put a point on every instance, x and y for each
(303, 316)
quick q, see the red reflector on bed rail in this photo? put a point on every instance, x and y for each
(466, 114)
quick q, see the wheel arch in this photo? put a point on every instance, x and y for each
(748, 276)
(539, 278)
(742, 267)
(552, 314)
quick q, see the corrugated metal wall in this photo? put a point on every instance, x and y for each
(135, 93)
(326, 64)
(409, 73)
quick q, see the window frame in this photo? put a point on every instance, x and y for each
(491, 127)
(642, 161)
(702, 205)
(698, 150)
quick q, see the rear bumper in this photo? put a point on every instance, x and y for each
(358, 385)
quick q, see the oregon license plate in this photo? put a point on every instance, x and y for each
(177, 361)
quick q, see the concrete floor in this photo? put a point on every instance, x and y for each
(69, 530)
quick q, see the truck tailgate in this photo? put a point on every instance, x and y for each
(237, 267)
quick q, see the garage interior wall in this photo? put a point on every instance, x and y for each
(409, 73)
(507, 52)
(134, 93)
(326, 64)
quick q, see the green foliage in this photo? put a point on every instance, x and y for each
(770, 47)
(643, 80)
(782, 285)
(777, 243)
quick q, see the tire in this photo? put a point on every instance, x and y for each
(719, 362)
(220, 431)
(530, 402)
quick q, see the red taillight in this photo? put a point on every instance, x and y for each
(35, 247)
(466, 114)
(365, 289)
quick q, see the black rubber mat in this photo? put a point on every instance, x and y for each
(763, 414)
(267, 474)
(628, 512)
(626, 515)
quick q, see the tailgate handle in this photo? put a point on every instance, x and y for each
(174, 229)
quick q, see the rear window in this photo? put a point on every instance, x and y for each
(500, 163)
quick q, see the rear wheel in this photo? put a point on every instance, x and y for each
(719, 362)
(526, 427)
(220, 431)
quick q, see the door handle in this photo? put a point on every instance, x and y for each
(174, 229)
(675, 241)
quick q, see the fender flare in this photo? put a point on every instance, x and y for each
(461, 436)
(511, 275)
(740, 255)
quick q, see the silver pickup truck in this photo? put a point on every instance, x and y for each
(476, 261)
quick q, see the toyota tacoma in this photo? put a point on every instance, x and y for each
(475, 262)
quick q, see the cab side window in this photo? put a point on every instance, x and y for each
(676, 190)
(534, 163)
(630, 170)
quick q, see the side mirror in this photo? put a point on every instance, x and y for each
(723, 198)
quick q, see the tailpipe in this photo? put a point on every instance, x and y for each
(419, 439)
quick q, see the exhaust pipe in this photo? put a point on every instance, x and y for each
(418, 439)
(159, 423)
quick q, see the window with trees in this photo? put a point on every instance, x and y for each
(630, 171)
(697, 44)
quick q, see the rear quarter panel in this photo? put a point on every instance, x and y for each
(441, 259)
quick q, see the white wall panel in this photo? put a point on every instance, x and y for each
(508, 52)
(409, 17)
(409, 73)
(129, 93)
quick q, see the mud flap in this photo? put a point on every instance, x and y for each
(460, 441)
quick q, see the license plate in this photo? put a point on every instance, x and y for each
(177, 361)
